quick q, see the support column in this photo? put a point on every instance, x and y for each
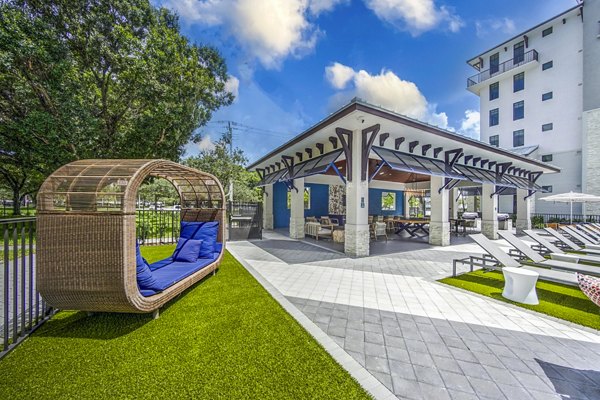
(356, 242)
(297, 210)
(439, 225)
(268, 222)
(453, 203)
(489, 211)
(523, 211)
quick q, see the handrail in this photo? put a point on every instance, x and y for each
(531, 55)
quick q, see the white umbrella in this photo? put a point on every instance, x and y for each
(572, 197)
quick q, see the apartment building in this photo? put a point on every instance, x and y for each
(540, 96)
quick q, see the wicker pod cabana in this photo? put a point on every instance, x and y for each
(86, 234)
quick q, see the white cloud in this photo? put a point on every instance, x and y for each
(206, 143)
(469, 126)
(268, 30)
(416, 16)
(502, 25)
(385, 89)
(232, 85)
(339, 75)
(317, 7)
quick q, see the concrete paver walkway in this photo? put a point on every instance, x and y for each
(423, 339)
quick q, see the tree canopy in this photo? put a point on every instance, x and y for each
(98, 79)
(227, 164)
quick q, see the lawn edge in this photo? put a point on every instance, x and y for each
(364, 378)
(587, 329)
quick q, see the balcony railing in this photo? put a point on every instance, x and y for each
(526, 58)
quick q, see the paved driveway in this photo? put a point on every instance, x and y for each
(423, 339)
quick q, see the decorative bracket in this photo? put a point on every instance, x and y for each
(437, 151)
(320, 147)
(299, 155)
(334, 141)
(424, 149)
(382, 138)
(308, 151)
(398, 142)
(367, 143)
(412, 145)
(345, 136)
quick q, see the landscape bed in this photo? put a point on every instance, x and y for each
(226, 337)
(557, 300)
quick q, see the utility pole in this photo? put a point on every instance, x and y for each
(230, 133)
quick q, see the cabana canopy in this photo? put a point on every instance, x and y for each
(87, 232)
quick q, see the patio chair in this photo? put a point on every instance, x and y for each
(579, 236)
(538, 260)
(379, 229)
(567, 243)
(87, 255)
(311, 219)
(557, 253)
(370, 219)
(499, 259)
(326, 221)
(316, 230)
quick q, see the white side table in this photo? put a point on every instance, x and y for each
(520, 285)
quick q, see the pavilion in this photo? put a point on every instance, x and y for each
(345, 164)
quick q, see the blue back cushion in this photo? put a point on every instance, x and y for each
(187, 250)
(145, 279)
(205, 231)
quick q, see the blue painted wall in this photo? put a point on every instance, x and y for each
(319, 203)
(375, 202)
(319, 200)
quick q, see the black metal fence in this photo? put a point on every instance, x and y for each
(22, 309)
(563, 218)
(245, 220)
(157, 226)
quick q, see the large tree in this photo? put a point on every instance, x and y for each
(98, 78)
(227, 164)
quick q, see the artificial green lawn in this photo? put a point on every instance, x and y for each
(225, 338)
(560, 301)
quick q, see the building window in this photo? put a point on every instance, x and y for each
(547, 96)
(547, 127)
(546, 32)
(494, 63)
(519, 52)
(494, 90)
(518, 138)
(547, 189)
(388, 201)
(519, 82)
(495, 140)
(547, 157)
(518, 110)
(547, 65)
(306, 199)
(494, 117)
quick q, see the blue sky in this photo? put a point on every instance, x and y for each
(292, 62)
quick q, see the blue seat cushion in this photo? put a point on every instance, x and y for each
(187, 250)
(168, 272)
(145, 278)
(205, 231)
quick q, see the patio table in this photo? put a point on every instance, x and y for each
(411, 226)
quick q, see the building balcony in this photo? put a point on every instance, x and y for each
(529, 59)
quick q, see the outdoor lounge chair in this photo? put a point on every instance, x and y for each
(589, 231)
(541, 261)
(379, 229)
(568, 243)
(557, 253)
(579, 236)
(496, 258)
(86, 257)
(316, 230)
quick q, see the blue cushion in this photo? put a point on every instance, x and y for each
(187, 250)
(205, 231)
(168, 272)
(145, 278)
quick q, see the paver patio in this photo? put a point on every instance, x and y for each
(423, 339)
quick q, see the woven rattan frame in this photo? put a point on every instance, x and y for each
(86, 257)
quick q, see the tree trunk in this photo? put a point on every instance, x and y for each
(16, 202)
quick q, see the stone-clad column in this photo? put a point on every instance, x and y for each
(489, 211)
(268, 207)
(439, 225)
(297, 210)
(523, 211)
(356, 242)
